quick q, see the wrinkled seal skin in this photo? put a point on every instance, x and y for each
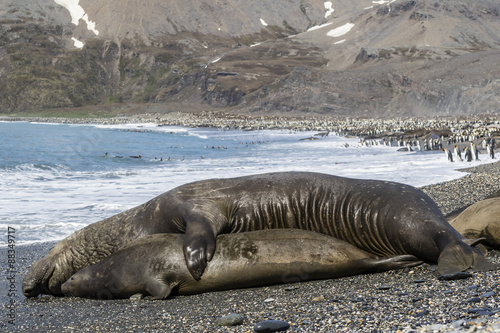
(383, 218)
(154, 265)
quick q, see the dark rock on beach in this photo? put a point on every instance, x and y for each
(271, 326)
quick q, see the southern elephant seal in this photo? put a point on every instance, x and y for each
(384, 218)
(482, 219)
(154, 265)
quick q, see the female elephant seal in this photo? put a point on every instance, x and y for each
(482, 219)
(154, 265)
(383, 218)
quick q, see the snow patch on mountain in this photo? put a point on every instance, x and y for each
(342, 30)
(77, 13)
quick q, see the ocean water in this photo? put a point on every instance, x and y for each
(57, 178)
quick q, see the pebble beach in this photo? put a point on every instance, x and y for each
(406, 300)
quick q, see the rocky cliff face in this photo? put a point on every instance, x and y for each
(350, 58)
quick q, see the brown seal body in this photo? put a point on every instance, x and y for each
(154, 265)
(383, 218)
(482, 219)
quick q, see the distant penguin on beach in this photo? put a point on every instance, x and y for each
(491, 151)
(468, 154)
(448, 154)
(458, 153)
(475, 151)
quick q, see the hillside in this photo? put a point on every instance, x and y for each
(346, 58)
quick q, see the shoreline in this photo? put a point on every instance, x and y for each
(367, 127)
(406, 300)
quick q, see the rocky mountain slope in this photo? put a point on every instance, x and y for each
(339, 57)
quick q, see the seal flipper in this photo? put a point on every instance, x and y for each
(198, 247)
(474, 241)
(158, 289)
(461, 257)
(382, 264)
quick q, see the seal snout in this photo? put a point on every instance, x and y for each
(31, 289)
(36, 281)
(66, 288)
(70, 287)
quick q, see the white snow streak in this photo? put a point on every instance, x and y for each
(263, 22)
(329, 8)
(382, 2)
(316, 27)
(342, 30)
(78, 43)
(77, 12)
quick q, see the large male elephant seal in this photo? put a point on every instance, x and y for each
(155, 265)
(482, 219)
(383, 218)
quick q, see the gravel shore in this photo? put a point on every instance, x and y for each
(407, 300)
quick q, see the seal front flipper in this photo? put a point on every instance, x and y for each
(204, 221)
(198, 247)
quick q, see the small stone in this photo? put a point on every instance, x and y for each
(232, 319)
(458, 323)
(422, 313)
(318, 299)
(269, 300)
(418, 281)
(290, 288)
(455, 276)
(495, 327)
(481, 312)
(271, 326)
(486, 313)
(487, 294)
(136, 297)
(416, 299)
(435, 327)
(384, 287)
(473, 300)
